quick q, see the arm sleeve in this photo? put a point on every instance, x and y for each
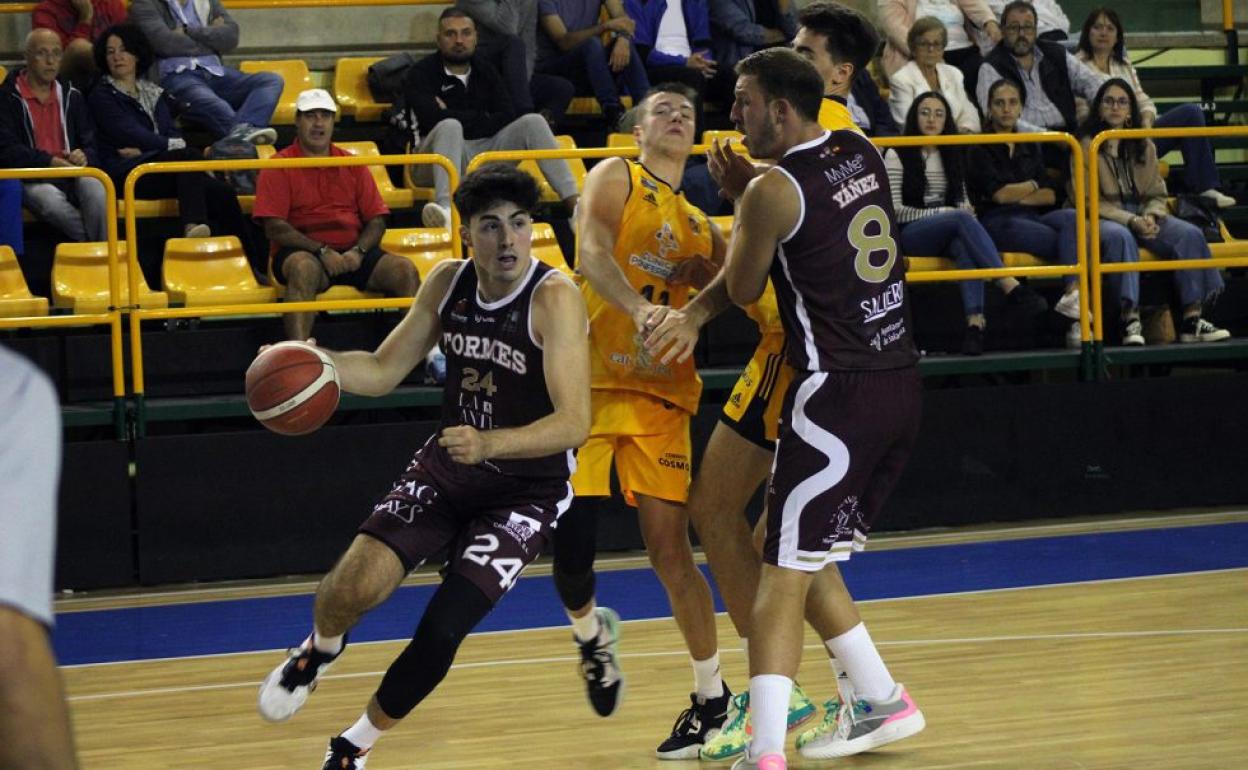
(732, 18)
(892, 14)
(1147, 105)
(900, 96)
(83, 137)
(14, 151)
(976, 12)
(164, 41)
(983, 175)
(223, 38)
(496, 15)
(116, 128)
(1084, 80)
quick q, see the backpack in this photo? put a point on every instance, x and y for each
(243, 182)
(1202, 212)
(385, 78)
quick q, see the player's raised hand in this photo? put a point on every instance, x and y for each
(674, 337)
(696, 272)
(731, 170)
(465, 444)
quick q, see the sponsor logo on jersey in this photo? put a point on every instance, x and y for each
(848, 516)
(883, 303)
(736, 399)
(483, 319)
(648, 197)
(460, 311)
(480, 348)
(673, 460)
(855, 189)
(845, 170)
(649, 183)
(694, 225)
(667, 240)
(649, 263)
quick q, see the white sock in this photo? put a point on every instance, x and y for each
(363, 734)
(867, 672)
(843, 687)
(585, 628)
(707, 682)
(330, 645)
(769, 713)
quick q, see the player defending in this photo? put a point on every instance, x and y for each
(641, 248)
(493, 481)
(821, 224)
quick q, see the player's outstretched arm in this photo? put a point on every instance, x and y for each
(561, 326)
(379, 372)
(767, 213)
(602, 208)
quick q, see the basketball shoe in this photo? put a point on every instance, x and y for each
(765, 762)
(850, 730)
(695, 726)
(734, 736)
(288, 686)
(600, 664)
(342, 754)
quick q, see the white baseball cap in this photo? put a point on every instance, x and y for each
(315, 99)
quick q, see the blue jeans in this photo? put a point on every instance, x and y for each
(956, 234)
(1200, 172)
(1188, 242)
(588, 61)
(221, 103)
(11, 215)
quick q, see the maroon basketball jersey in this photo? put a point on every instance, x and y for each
(839, 275)
(494, 374)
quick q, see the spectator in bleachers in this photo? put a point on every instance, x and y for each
(325, 224)
(673, 38)
(507, 35)
(462, 110)
(960, 18)
(77, 23)
(1101, 46)
(1016, 200)
(936, 217)
(11, 234)
(189, 40)
(1050, 76)
(928, 72)
(741, 27)
(570, 44)
(136, 126)
(1133, 195)
(1051, 22)
(840, 42)
(44, 122)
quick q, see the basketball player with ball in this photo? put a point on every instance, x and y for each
(491, 483)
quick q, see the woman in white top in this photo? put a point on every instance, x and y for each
(928, 72)
(937, 220)
(960, 18)
(1101, 47)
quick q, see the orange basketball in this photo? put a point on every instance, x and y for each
(292, 388)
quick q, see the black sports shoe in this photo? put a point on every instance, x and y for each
(288, 686)
(1025, 301)
(973, 340)
(695, 725)
(342, 754)
(600, 666)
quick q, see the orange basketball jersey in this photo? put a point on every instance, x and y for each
(659, 229)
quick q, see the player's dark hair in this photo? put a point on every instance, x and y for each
(493, 183)
(850, 36)
(135, 43)
(782, 73)
(1016, 5)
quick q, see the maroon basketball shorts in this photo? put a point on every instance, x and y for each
(493, 525)
(844, 440)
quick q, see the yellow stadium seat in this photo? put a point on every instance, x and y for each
(4, 72)
(617, 139)
(722, 136)
(577, 166)
(80, 279)
(15, 297)
(588, 105)
(211, 271)
(297, 79)
(351, 89)
(395, 198)
(546, 247)
(425, 247)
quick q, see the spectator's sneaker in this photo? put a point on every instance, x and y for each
(435, 215)
(197, 231)
(1068, 305)
(1026, 302)
(973, 341)
(765, 762)
(695, 726)
(1197, 329)
(864, 726)
(288, 686)
(342, 754)
(1222, 201)
(600, 664)
(1133, 333)
(1074, 338)
(734, 736)
(245, 132)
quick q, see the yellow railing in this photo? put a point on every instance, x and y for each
(138, 315)
(110, 318)
(1094, 212)
(1079, 269)
(1228, 15)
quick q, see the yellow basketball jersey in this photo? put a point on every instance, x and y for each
(658, 230)
(834, 116)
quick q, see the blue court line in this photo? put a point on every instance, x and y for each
(243, 625)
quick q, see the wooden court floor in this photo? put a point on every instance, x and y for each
(1135, 673)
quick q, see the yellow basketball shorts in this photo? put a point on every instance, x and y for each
(648, 439)
(753, 409)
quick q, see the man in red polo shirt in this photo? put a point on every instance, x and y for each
(325, 224)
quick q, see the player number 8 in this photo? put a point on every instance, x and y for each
(870, 244)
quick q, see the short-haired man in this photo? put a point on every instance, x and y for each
(1051, 77)
(840, 42)
(325, 224)
(44, 123)
(463, 109)
(491, 484)
(189, 40)
(1051, 21)
(851, 414)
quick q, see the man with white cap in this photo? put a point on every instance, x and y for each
(325, 224)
